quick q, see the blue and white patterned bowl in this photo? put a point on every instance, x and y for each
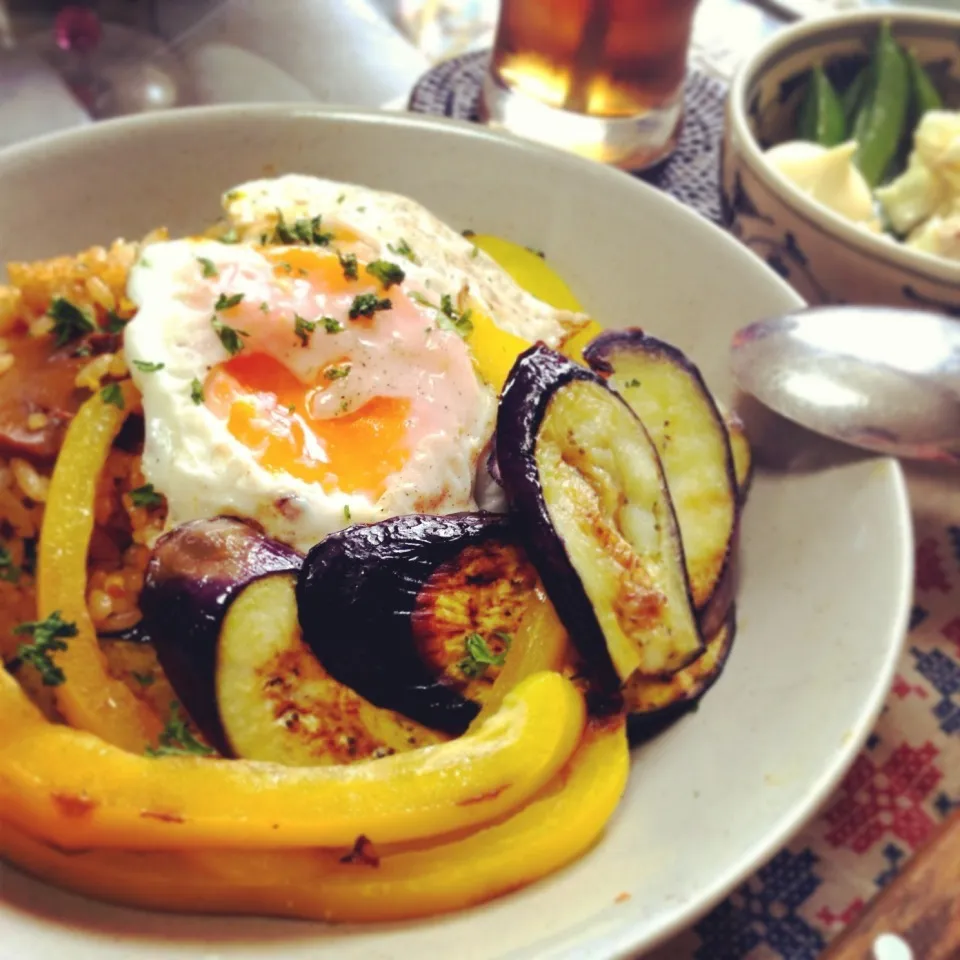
(826, 258)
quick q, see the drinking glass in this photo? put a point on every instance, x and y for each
(603, 78)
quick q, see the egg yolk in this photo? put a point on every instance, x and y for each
(268, 410)
(321, 271)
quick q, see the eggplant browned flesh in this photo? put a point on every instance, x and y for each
(742, 455)
(277, 703)
(468, 612)
(672, 401)
(357, 595)
(194, 573)
(648, 695)
(587, 490)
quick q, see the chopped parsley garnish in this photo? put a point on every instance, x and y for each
(480, 656)
(69, 321)
(632, 383)
(331, 325)
(303, 328)
(46, 637)
(341, 198)
(196, 391)
(386, 272)
(9, 571)
(225, 303)
(402, 249)
(144, 679)
(229, 336)
(229, 236)
(367, 304)
(448, 317)
(337, 373)
(113, 395)
(346, 511)
(303, 230)
(145, 496)
(264, 307)
(115, 324)
(176, 740)
(147, 367)
(208, 267)
(348, 263)
(144, 262)
(452, 319)
(474, 252)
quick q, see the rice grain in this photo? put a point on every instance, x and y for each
(92, 373)
(33, 484)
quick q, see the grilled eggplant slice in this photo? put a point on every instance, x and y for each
(740, 449)
(667, 698)
(587, 491)
(669, 396)
(194, 573)
(368, 610)
(279, 705)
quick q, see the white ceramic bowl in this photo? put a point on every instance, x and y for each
(826, 258)
(826, 556)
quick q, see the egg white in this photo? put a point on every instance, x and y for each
(190, 455)
(446, 261)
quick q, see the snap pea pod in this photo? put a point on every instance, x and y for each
(880, 122)
(821, 113)
(852, 97)
(925, 95)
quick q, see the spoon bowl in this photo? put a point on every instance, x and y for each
(879, 378)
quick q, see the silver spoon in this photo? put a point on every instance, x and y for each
(875, 377)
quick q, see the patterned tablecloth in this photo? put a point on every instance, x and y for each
(907, 777)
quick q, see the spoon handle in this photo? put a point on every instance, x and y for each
(918, 915)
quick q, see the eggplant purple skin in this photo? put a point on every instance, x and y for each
(537, 374)
(356, 595)
(600, 354)
(194, 573)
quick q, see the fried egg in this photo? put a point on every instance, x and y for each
(314, 372)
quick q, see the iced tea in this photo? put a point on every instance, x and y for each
(613, 60)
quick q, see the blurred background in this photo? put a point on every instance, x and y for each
(67, 64)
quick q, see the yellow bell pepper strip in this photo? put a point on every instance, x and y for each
(539, 643)
(70, 788)
(575, 344)
(494, 351)
(376, 884)
(529, 270)
(88, 697)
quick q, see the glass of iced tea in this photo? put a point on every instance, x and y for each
(603, 78)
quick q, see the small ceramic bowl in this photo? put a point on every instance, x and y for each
(825, 257)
